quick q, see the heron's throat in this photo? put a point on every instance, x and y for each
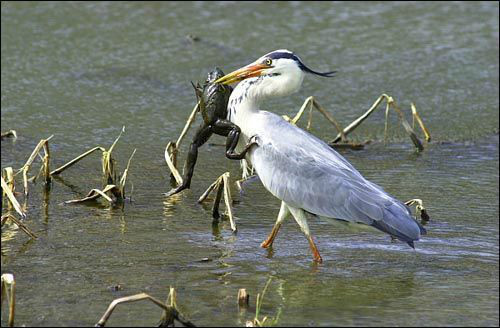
(243, 101)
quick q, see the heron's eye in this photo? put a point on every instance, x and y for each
(268, 62)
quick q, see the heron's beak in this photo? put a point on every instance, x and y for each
(242, 73)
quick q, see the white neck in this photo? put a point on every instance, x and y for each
(242, 102)
(246, 97)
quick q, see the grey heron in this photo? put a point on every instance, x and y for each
(306, 174)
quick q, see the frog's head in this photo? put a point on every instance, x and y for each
(214, 75)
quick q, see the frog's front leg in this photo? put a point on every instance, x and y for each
(232, 131)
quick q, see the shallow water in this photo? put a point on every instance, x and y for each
(80, 71)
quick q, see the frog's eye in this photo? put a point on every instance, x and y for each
(268, 61)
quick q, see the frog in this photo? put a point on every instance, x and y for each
(212, 99)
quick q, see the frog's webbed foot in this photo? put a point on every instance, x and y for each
(252, 141)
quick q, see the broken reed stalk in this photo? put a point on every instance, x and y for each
(167, 318)
(228, 200)
(330, 118)
(8, 134)
(406, 125)
(299, 114)
(75, 160)
(314, 104)
(123, 179)
(359, 120)
(8, 175)
(222, 185)
(420, 122)
(8, 285)
(389, 103)
(111, 185)
(45, 163)
(173, 312)
(419, 208)
(94, 194)
(21, 225)
(243, 298)
(108, 163)
(171, 159)
(188, 124)
(172, 148)
(12, 199)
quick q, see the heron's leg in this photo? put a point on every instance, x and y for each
(202, 135)
(300, 216)
(282, 215)
(232, 132)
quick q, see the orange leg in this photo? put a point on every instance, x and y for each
(300, 216)
(314, 249)
(281, 217)
(270, 239)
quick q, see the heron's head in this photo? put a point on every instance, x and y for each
(277, 73)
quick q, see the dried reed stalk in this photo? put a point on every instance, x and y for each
(43, 144)
(21, 225)
(75, 160)
(172, 312)
(223, 187)
(419, 208)
(8, 292)
(8, 134)
(12, 199)
(390, 103)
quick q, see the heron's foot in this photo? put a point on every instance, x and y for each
(176, 190)
(270, 239)
(266, 243)
(316, 257)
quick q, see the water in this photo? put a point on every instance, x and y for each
(80, 71)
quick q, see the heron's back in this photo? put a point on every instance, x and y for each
(305, 172)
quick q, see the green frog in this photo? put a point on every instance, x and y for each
(213, 99)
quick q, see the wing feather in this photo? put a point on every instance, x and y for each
(305, 172)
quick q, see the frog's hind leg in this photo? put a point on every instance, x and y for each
(201, 137)
(232, 132)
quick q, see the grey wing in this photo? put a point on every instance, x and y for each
(305, 172)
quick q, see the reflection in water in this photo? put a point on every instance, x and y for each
(9, 252)
(10, 233)
(345, 297)
(123, 224)
(169, 205)
(217, 224)
(45, 205)
(269, 252)
(216, 231)
(75, 189)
